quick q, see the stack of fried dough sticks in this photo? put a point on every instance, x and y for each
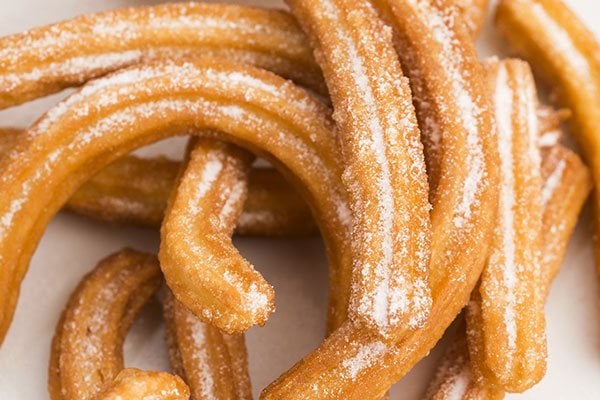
(438, 182)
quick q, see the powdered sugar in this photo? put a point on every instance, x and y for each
(552, 182)
(366, 356)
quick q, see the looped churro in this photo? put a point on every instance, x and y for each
(567, 184)
(135, 190)
(213, 364)
(110, 117)
(47, 59)
(565, 55)
(135, 384)
(506, 313)
(87, 349)
(201, 265)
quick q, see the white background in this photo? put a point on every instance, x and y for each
(297, 269)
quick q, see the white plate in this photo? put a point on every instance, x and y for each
(297, 269)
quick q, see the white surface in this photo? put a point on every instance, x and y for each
(297, 269)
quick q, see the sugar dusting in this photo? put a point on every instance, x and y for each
(562, 43)
(199, 353)
(553, 181)
(503, 101)
(394, 295)
(470, 111)
(366, 356)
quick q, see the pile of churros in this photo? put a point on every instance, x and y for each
(438, 182)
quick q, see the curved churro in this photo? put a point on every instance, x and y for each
(135, 384)
(135, 190)
(48, 59)
(567, 184)
(506, 313)
(110, 117)
(462, 221)
(87, 349)
(567, 56)
(201, 266)
(213, 364)
(384, 167)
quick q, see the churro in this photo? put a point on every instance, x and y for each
(506, 313)
(213, 364)
(201, 266)
(48, 59)
(566, 55)
(87, 349)
(462, 220)
(135, 384)
(567, 185)
(110, 117)
(134, 190)
(383, 160)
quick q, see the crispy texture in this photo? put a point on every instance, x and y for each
(87, 349)
(201, 266)
(135, 384)
(506, 313)
(252, 107)
(458, 254)
(212, 363)
(135, 190)
(383, 160)
(566, 55)
(567, 185)
(48, 59)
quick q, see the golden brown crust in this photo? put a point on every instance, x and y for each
(212, 363)
(135, 190)
(135, 384)
(48, 59)
(567, 185)
(566, 55)
(506, 313)
(201, 266)
(87, 349)
(159, 100)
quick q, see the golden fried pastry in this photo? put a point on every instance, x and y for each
(213, 364)
(549, 122)
(506, 313)
(110, 117)
(474, 13)
(135, 190)
(454, 378)
(47, 59)
(462, 221)
(135, 384)
(567, 57)
(200, 263)
(87, 349)
(383, 160)
(567, 184)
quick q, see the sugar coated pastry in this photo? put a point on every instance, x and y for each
(213, 364)
(354, 364)
(134, 190)
(113, 116)
(566, 55)
(87, 349)
(45, 60)
(383, 161)
(567, 185)
(135, 384)
(506, 313)
(201, 265)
